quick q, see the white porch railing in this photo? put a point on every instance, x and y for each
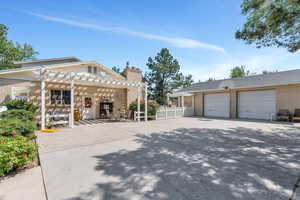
(171, 113)
(188, 111)
(136, 116)
(59, 119)
(168, 113)
(142, 116)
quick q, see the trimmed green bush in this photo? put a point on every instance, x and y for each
(152, 107)
(18, 114)
(21, 105)
(19, 119)
(21, 127)
(15, 152)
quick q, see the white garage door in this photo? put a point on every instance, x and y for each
(216, 105)
(257, 104)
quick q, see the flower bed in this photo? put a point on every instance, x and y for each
(17, 145)
(15, 152)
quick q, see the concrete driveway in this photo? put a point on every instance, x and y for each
(186, 158)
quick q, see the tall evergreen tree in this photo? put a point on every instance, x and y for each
(164, 76)
(271, 23)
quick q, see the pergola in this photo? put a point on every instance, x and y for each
(72, 78)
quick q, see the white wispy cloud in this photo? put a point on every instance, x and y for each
(180, 42)
(255, 63)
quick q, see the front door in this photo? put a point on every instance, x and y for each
(88, 108)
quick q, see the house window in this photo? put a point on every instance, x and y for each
(95, 70)
(61, 97)
(89, 69)
(21, 93)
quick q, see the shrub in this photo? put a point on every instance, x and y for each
(21, 105)
(21, 127)
(15, 152)
(152, 107)
(18, 114)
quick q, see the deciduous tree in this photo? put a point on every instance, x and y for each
(11, 52)
(239, 71)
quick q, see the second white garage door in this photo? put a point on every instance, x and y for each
(216, 105)
(257, 104)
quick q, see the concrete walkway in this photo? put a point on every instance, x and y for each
(187, 158)
(25, 185)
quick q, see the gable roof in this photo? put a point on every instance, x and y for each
(63, 65)
(271, 79)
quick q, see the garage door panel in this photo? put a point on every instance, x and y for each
(257, 104)
(216, 105)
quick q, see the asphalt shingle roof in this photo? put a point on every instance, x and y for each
(275, 78)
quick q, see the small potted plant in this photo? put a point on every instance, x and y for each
(49, 125)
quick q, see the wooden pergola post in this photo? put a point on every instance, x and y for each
(138, 104)
(146, 102)
(72, 100)
(43, 100)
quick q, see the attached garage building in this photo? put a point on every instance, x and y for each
(252, 97)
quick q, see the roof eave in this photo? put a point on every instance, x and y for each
(47, 60)
(238, 88)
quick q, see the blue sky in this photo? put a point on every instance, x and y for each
(200, 34)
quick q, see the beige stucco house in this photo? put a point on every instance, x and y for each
(69, 85)
(252, 97)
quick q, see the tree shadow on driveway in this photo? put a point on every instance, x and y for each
(239, 163)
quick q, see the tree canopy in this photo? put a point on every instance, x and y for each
(118, 70)
(271, 23)
(239, 71)
(269, 72)
(164, 76)
(11, 52)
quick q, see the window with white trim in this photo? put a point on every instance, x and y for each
(60, 97)
(21, 93)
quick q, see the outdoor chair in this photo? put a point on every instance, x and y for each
(283, 114)
(296, 114)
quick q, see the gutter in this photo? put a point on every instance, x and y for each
(255, 86)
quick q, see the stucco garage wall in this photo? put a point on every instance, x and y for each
(188, 101)
(199, 104)
(233, 104)
(288, 97)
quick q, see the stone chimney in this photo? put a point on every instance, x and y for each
(133, 74)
